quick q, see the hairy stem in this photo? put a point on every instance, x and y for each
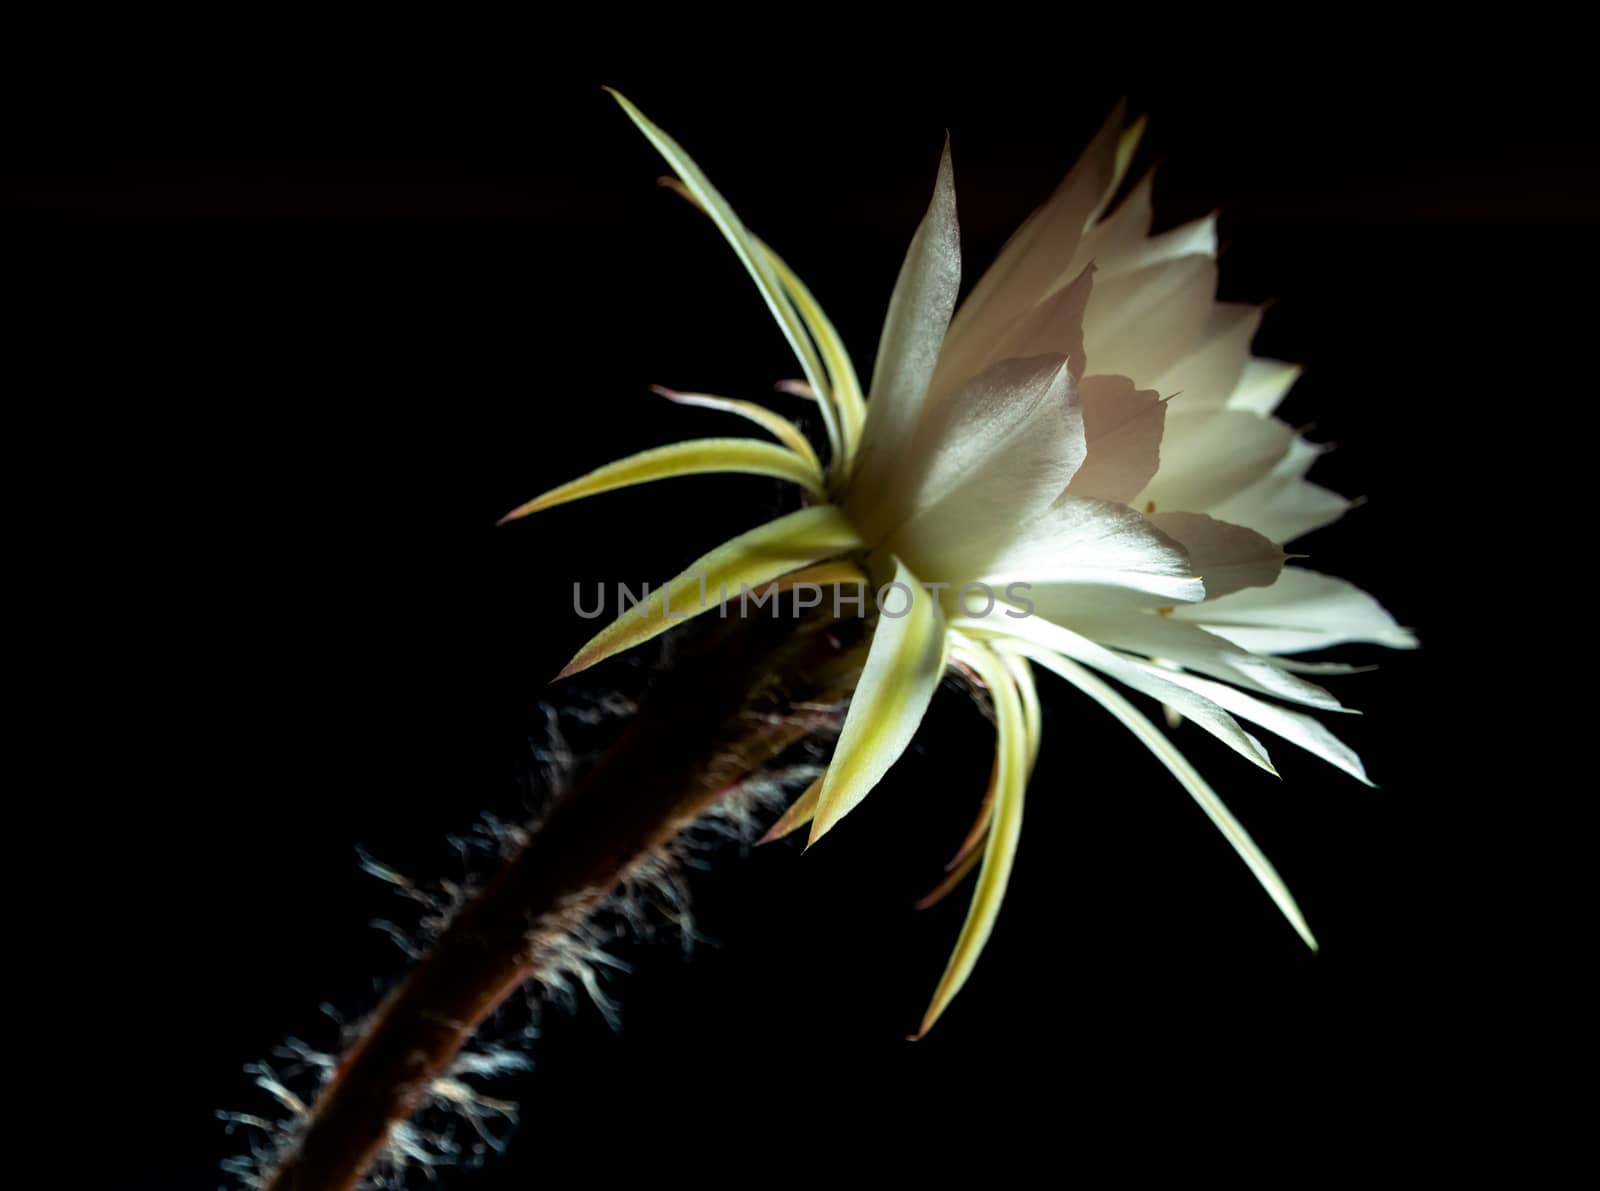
(721, 716)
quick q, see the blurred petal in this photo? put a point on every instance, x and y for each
(838, 573)
(1111, 243)
(962, 865)
(695, 457)
(749, 560)
(1034, 261)
(976, 833)
(1302, 610)
(1263, 384)
(1121, 242)
(904, 664)
(1153, 739)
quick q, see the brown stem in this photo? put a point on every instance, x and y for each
(722, 716)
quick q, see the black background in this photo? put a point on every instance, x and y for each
(300, 320)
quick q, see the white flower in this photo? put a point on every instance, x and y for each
(1090, 423)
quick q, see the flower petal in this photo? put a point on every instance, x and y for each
(1227, 557)
(1005, 829)
(1121, 242)
(749, 560)
(904, 664)
(1263, 385)
(1122, 427)
(1193, 648)
(695, 457)
(1208, 456)
(1034, 261)
(1302, 610)
(1081, 542)
(1281, 504)
(1053, 327)
(908, 351)
(1142, 323)
(1038, 634)
(1156, 741)
(997, 453)
(1294, 726)
(1208, 373)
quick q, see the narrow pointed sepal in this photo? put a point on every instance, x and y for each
(955, 876)
(698, 456)
(904, 664)
(1172, 757)
(1005, 829)
(796, 817)
(748, 561)
(779, 427)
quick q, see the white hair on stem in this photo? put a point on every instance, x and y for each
(459, 1122)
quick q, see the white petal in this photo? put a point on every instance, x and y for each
(1281, 504)
(1034, 630)
(1294, 726)
(1302, 610)
(1034, 261)
(1079, 603)
(1263, 385)
(919, 313)
(1053, 327)
(1113, 237)
(1228, 557)
(1078, 541)
(1208, 373)
(904, 665)
(1121, 243)
(1139, 324)
(1208, 456)
(994, 455)
(1122, 427)
(1193, 648)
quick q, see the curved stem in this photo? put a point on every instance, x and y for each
(722, 716)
